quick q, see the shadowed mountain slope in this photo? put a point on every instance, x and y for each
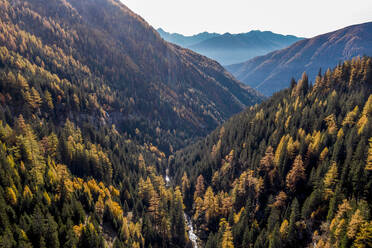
(102, 44)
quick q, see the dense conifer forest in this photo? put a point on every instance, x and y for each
(294, 171)
(96, 110)
(101, 63)
(89, 109)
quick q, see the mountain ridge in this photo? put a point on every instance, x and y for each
(322, 51)
(184, 40)
(228, 48)
(118, 49)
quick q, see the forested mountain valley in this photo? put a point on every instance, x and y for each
(92, 103)
(103, 141)
(114, 66)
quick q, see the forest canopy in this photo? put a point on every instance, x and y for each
(292, 171)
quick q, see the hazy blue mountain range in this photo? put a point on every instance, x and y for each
(272, 72)
(231, 48)
(186, 41)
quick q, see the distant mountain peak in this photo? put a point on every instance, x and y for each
(229, 48)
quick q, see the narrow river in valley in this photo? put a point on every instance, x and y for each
(190, 229)
(192, 236)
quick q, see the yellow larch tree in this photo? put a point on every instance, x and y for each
(330, 181)
(227, 237)
(296, 174)
(369, 156)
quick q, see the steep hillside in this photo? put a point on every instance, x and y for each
(294, 171)
(91, 99)
(272, 72)
(104, 49)
(231, 48)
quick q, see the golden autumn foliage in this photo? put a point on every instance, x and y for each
(267, 162)
(141, 161)
(310, 143)
(350, 118)
(185, 185)
(114, 192)
(238, 215)
(362, 123)
(78, 229)
(323, 154)
(91, 180)
(331, 124)
(355, 224)
(369, 156)
(47, 199)
(296, 174)
(63, 147)
(288, 121)
(367, 110)
(30, 147)
(154, 206)
(284, 228)
(11, 196)
(200, 187)
(27, 193)
(115, 209)
(340, 134)
(343, 208)
(330, 181)
(347, 221)
(280, 200)
(292, 147)
(280, 149)
(366, 115)
(209, 203)
(227, 238)
(364, 237)
(316, 141)
(247, 181)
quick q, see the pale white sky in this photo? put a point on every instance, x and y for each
(304, 18)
